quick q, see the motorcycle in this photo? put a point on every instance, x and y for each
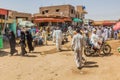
(104, 47)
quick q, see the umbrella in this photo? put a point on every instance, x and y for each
(26, 24)
(77, 20)
(117, 26)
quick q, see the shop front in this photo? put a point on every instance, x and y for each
(3, 15)
(51, 21)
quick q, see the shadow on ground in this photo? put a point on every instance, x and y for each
(90, 64)
(36, 53)
(102, 55)
(3, 53)
(27, 55)
(65, 50)
(51, 51)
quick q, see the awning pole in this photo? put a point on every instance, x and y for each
(3, 32)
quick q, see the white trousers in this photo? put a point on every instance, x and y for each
(58, 44)
(78, 57)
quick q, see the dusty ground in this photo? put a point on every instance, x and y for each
(47, 64)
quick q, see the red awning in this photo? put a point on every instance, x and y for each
(3, 11)
(67, 19)
(109, 23)
(48, 20)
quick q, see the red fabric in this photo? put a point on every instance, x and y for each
(37, 30)
(117, 26)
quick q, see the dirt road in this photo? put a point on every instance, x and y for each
(47, 64)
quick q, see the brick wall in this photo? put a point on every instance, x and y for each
(62, 10)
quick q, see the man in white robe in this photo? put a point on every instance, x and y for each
(45, 35)
(95, 41)
(110, 33)
(106, 34)
(58, 38)
(53, 35)
(70, 31)
(77, 44)
(99, 32)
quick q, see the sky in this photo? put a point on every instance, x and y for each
(97, 9)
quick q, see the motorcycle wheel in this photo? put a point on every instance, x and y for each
(107, 49)
(87, 52)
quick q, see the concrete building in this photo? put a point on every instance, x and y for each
(10, 18)
(65, 13)
(62, 10)
(81, 12)
(14, 15)
(19, 15)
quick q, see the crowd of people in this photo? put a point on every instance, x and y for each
(33, 37)
(81, 37)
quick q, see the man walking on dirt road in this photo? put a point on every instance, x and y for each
(77, 44)
(59, 38)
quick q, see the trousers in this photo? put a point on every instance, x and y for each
(78, 57)
(58, 44)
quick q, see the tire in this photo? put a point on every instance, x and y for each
(87, 52)
(107, 49)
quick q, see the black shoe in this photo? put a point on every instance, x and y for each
(29, 51)
(79, 68)
(25, 52)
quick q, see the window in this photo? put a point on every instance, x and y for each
(46, 11)
(72, 11)
(43, 12)
(57, 10)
